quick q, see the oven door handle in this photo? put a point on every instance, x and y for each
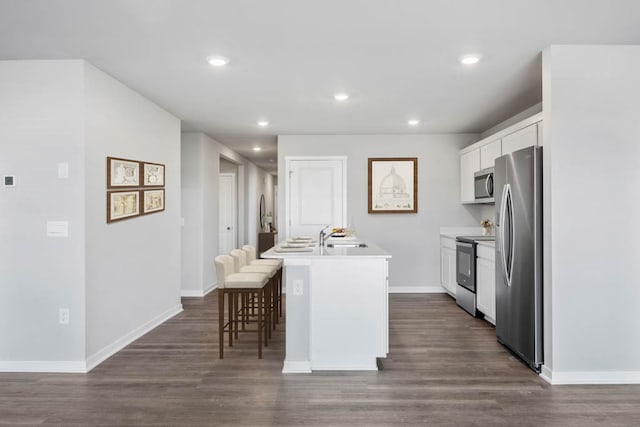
(466, 245)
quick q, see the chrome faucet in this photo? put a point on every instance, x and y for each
(322, 237)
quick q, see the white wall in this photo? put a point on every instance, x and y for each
(41, 111)
(132, 266)
(412, 239)
(117, 280)
(592, 246)
(201, 160)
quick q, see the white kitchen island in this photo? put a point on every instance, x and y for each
(337, 309)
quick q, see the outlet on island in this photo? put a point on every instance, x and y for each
(298, 288)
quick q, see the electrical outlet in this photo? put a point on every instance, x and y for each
(298, 288)
(63, 316)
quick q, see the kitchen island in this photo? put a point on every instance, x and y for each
(337, 315)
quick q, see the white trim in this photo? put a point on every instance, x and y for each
(48, 366)
(417, 290)
(590, 377)
(504, 132)
(234, 209)
(192, 293)
(360, 367)
(108, 351)
(296, 367)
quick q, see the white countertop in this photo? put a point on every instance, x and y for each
(488, 243)
(371, 251)
(453, 232)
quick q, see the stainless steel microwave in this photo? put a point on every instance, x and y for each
(483, 186)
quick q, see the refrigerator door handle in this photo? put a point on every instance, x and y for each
(512, 233)
(505, 200)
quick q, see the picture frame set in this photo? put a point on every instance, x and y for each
(134, 188)
(393, 185)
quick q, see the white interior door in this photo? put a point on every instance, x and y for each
(316, 196)
(227, 215)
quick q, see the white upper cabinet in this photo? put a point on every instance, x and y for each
(489, 153)
(522, 138)
(484, 153)
(469, 164)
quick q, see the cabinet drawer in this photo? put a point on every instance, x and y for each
(486, 252)
(447, 242)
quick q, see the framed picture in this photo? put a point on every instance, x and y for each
(152, 201)
(152, 175)
(122, 173)
(122, 205)
(393, 185)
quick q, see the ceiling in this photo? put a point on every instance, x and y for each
(397, 59)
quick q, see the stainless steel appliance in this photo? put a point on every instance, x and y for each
(483, 185)
(466, 271)
(518, 179)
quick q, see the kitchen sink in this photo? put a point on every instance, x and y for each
(347, 245)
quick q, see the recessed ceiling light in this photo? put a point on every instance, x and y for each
(218, 61)
(257, 149)
(263, 123)
(341, 96)
(414, 122)
(470, 59)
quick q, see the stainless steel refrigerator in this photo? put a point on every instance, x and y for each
(518, 201)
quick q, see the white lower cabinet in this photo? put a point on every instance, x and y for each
(486, 282)
(448, 265)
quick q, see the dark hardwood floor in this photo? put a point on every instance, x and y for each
(444, 369)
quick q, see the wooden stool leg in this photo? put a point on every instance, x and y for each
(280, 291)
(221, 322)
(235, 314)
(260, 325)
(265, 315)
(274, 302)
(230, 314)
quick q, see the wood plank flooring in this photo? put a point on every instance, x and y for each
(445, 368)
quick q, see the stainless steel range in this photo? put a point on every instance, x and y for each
(466, 271)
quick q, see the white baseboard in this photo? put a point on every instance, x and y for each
(48, 366)
(362, 367)
(416, 290)
(195, 293)
(293, 367)
(108, 351)
(590, 377)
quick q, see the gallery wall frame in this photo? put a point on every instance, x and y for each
(122, 173)
(152, 201)
(122, 205)
(393, 185)
(152, 174)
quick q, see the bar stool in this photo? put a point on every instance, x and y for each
(240, 259)
(233, 284)
(251, 260)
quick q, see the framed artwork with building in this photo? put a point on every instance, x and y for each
(393, 185)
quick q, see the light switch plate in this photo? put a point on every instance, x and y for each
(63, 170)
(58, 228)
